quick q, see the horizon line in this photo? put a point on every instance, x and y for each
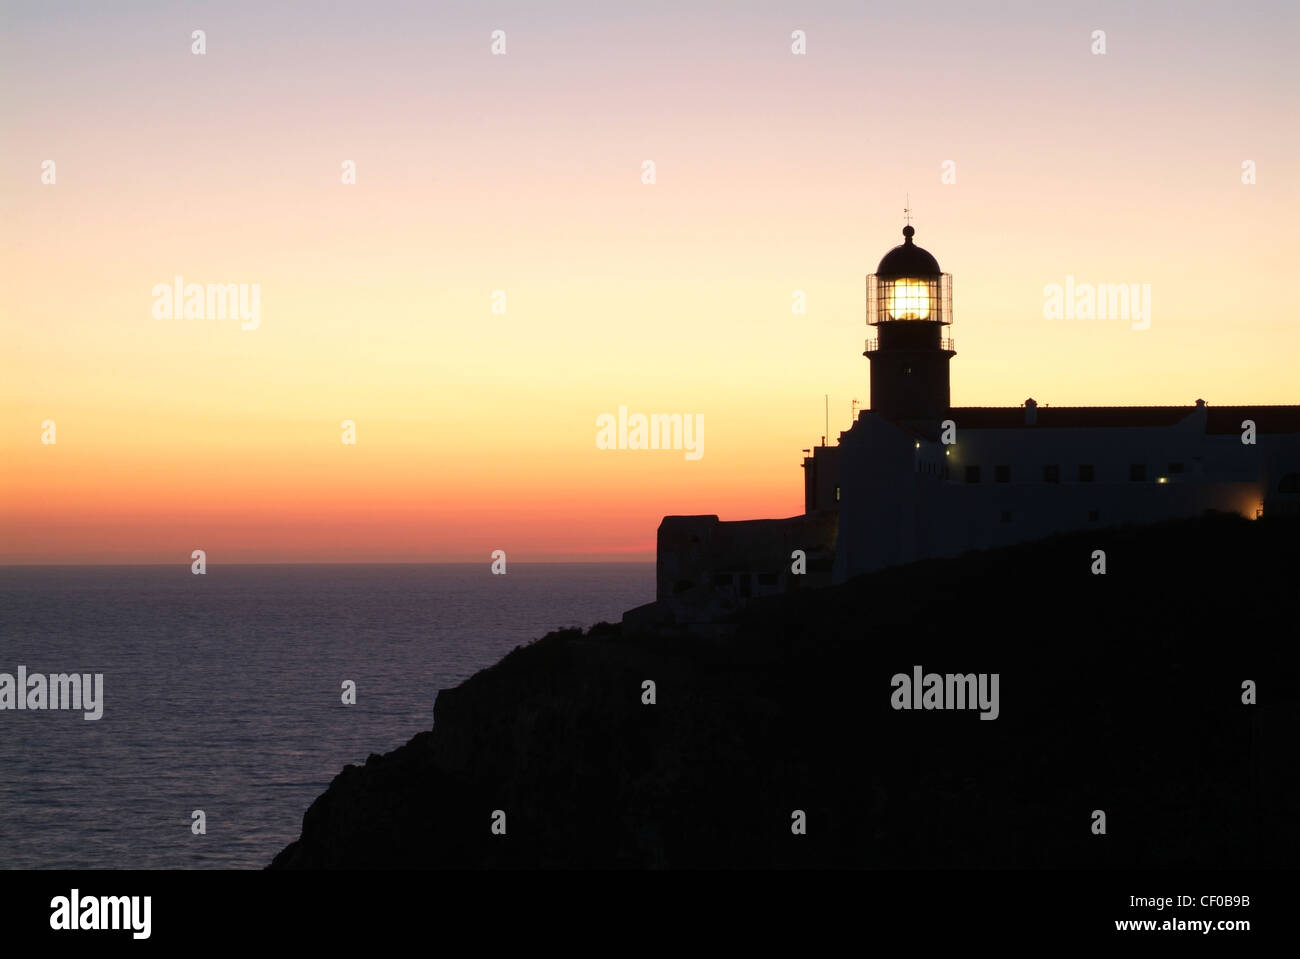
(649, 559)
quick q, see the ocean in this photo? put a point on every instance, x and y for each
(223, 692)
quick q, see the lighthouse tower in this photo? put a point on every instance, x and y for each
(909, 305)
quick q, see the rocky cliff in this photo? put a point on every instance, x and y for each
(1120, 692)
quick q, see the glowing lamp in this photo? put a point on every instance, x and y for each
(909, 286)
(909, 299)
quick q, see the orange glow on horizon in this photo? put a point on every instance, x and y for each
(476, 427)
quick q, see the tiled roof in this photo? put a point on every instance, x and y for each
(1219, 419)
(1268, 419)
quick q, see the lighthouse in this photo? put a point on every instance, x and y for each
(914, 477)
(909, 307)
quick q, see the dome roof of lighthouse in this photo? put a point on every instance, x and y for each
(908, 259)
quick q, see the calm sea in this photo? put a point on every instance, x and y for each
(223, 692)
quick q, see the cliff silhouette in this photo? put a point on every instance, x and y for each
(1119, 692)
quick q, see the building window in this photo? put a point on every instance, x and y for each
(1052, 474)
(1137, 472)
(1086, 474)
(907, 371)
(721, 579)
(1006, 516)
(1175, 468)
(837, 494)
(1093, 516)
(972, 474)
(1002, 474)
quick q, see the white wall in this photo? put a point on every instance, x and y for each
(896, 507)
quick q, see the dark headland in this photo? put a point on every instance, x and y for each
(1120, 692)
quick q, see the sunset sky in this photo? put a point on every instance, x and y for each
(775, 172)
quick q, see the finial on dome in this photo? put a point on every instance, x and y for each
(908, 259)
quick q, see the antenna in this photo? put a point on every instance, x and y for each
(853, 411)
(907, 209)
(828, 419)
